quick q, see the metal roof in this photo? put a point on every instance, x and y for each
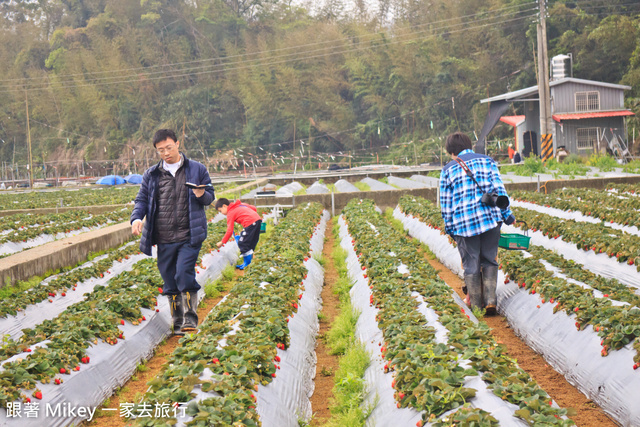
(512, 120)
(592, 115)
(512, 96)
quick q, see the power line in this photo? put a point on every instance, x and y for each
(24, 79)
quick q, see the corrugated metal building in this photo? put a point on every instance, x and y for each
(588, 116)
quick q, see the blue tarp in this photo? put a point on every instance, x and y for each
(134, 178)
(111, 180)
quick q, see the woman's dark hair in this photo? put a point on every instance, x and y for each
(222, 202)
(164, 134)
(457, 142)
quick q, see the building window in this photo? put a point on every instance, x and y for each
(588, 101)
(588, 138)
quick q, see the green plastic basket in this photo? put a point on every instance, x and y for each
(263, 227)
(514, 241)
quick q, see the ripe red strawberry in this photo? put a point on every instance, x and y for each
(120, 336)
(77, 368)
(215, 360)
(57, 381)
(38, 395)
(606, 295)
(306, 258)
(62, 370)
(122, 321)
(576, 309)
(420, 423)
(273, 375)
(300, 296)
(144, 318)
(277, 358)
(635, 366)
(28, 400)
(63, 294)
(364, 268)
(160, 290)
(280, 346)
(365, 276)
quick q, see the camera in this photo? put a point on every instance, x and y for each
(493, 200)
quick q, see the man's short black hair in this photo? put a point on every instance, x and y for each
(222, 202)
(458, 142)
(164, 134)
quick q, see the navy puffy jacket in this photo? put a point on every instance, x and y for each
(145, 203)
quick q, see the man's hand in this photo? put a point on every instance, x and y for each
(136, 227)
(510, 220)
(219, 244)
(199, 192)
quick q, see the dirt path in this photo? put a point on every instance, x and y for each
(135, 388)
(327, 364)
(567, 396)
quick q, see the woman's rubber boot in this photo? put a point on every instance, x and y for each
(474, 287)
(247, 261)
(191, 312)
(489, 283)
(177, 313)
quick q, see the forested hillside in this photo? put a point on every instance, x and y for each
(251, 76)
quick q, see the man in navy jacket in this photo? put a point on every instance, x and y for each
(176, 223)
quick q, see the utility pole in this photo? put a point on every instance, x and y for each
(309, 146)
(26, 98)
(544, 93)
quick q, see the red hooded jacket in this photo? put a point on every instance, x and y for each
(242, 213)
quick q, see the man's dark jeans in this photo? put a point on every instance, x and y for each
(177, 265)
(479, 251)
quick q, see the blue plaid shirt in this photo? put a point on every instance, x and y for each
(463, 213)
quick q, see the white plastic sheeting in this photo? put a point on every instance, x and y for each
(609, 381)
(376, 185)
(429, 180)
(405, 183)
(379, 390)
(575, 215)
(344, 186)
(286, 400)
(112, 365)
(438, 243)
(289, 189)
(317, 188)
(14, 247)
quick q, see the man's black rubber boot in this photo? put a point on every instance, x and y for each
(489, 283)
(191, 311)
(177, 313)
(474, 287)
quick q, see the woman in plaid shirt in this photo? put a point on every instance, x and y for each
(475, 226)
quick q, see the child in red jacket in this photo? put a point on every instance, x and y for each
(247, 216)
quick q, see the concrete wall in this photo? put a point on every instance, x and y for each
(61, 253)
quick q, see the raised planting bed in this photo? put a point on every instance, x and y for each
(604, 206)
(253, 359)
(584, 324)
(79, 357)
(40, 229)
(84, 197)
(434, 359)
